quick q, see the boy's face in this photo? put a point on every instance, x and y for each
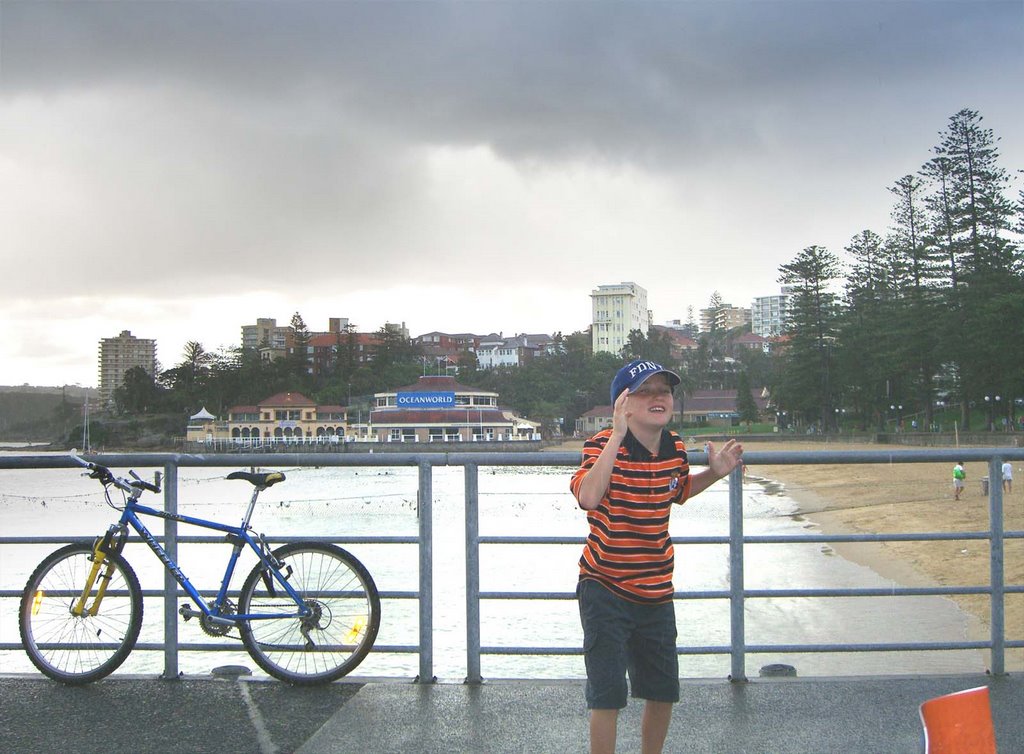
(651, 403)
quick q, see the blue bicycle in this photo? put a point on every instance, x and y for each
(307, 613)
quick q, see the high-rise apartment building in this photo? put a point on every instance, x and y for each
(616, 311)
(770, 314)
(725, 317)
(118, 355)
(266, 334)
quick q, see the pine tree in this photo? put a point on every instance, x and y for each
(715, 303)
(808, 385)
(870, 355)
(745, 405)
(971, 216)
(920, 302)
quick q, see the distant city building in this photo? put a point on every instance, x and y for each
(770, 314)
(325, 350)
(725, 317)
(435, 343)
(497, 351)
(689, 329)
(434, 409)
(616, 311)
(118, 355)
(719, 407)
(267, 334)
(753, 342)
(275, 342)
(439, 409)
(290, 418)
(394, 327)
(442, 352)
(679, 341)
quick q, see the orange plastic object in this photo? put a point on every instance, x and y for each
(959, 723)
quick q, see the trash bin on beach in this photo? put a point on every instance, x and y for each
(984, 485)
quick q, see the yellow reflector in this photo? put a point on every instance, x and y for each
(37, 601)
(358, 626)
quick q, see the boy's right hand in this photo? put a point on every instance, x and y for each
(620, 415)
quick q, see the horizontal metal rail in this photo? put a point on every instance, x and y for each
(736, 595)
(171, 592)
(736, 540)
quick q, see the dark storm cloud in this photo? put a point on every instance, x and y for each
(540, 80)
(312, 149)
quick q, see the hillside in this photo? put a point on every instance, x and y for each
(40, 414)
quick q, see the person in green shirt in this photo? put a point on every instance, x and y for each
(958, 479)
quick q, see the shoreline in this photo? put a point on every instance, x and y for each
(907, 499)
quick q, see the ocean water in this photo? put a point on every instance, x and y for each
(528, 501)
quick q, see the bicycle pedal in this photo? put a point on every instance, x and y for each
(188, 612)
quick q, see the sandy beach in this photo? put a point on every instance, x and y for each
(907, 498)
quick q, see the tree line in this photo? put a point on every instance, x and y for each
(928, 313)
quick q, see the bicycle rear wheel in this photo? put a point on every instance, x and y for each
(78, 649)
(332, 641)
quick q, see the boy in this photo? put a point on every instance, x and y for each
(630, 477)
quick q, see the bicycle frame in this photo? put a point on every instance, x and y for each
(239, 536)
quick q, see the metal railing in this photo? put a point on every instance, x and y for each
(171, 463)
(736, 594)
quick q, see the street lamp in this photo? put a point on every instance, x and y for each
(897, 407)
(992, 403)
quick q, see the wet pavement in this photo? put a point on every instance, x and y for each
(225, 716)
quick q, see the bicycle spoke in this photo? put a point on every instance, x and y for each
(340, 630)
(79, 648)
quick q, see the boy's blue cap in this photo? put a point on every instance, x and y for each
(635, 373)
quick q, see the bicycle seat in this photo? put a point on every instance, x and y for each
(258, 480)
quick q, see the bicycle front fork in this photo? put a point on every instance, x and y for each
(111, 542)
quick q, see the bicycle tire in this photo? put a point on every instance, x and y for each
(79, 649)
(341, 631)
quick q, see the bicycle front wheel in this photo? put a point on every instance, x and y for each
(78, 649)
(334, 638)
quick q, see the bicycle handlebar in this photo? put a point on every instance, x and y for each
(140, 482)
(136, 483)
(106, 476)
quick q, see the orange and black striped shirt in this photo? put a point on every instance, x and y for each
(629, 548)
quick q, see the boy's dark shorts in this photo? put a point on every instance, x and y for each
(621, 637)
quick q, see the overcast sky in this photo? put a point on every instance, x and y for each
(179, 169)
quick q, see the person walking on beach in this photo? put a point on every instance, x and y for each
(959, 475)
(631, 475)
(1007, 477)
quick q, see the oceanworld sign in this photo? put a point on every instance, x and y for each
(426, 400)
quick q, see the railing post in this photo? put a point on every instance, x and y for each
(170, 585)
(996, 564)
(736, 604)
(472, 574)
(426, 600)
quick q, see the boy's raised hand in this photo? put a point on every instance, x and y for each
(620, 415)
(722, 462)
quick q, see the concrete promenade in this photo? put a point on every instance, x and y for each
(225, 716)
